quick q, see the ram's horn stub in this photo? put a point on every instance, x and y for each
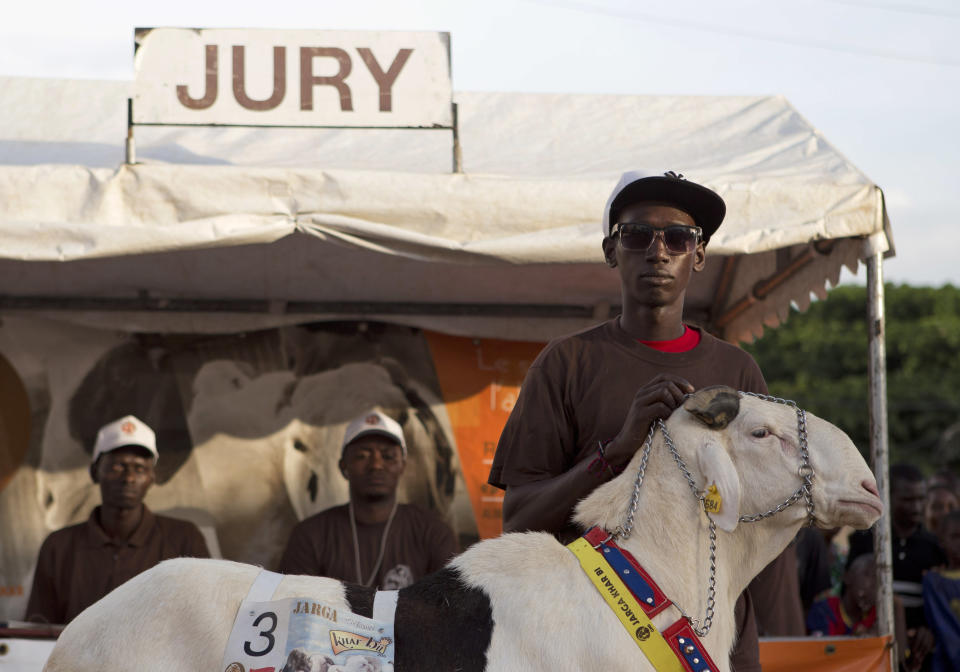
(714, 406)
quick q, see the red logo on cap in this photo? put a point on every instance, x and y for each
(128, 427)
(372, 420)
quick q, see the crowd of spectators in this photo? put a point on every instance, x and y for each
(837, 572)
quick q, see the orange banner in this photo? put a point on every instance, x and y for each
(480, 380)
(826, 654)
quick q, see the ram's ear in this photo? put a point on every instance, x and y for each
(715, 406)
(722, 483)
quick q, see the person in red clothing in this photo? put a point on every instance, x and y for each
(78, 565)
(855, 611)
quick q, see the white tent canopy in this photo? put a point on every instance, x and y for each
(238, 228)
(233, 229)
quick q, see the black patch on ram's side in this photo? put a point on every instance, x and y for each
(360, 599)
(442, 625)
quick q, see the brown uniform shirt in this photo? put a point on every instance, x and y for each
(578, 392)
(79, 564)
(580, 387)
(418, 543)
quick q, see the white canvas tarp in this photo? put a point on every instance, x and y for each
(245, 228)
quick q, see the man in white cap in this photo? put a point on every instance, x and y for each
(589, 399)
(78, 565)
(372, 540)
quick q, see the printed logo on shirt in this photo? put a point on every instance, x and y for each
(399, 577)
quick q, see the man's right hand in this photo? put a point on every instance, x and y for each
(657, 399)
(547, 504)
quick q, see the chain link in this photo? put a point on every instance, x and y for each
(624, 531)
(701, 628)
(805, 472)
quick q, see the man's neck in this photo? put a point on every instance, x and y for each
(120, 523)
(903, 532)
(657, 323)
(372, 511)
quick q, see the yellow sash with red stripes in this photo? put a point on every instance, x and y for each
(619, 598)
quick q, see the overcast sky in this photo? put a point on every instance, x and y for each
(879, 78)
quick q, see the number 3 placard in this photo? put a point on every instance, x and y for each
(258, 640)
(301, 633)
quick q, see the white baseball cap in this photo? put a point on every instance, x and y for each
(702, 203)
(127, 431)
(373, 422)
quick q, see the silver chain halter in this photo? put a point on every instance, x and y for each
(805, 472)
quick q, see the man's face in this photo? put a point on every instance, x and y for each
(950, 539)
(124, 476)
(907, 502)
(654, 276)
(940, 502)
(861, 580)
(373, 465)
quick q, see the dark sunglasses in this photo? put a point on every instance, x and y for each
(676, 238)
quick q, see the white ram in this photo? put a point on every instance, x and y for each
(521, 602)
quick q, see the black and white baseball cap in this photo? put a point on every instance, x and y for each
(704, 205)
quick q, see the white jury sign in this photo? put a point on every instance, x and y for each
(292, 78)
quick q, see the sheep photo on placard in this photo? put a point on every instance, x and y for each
(522, 601)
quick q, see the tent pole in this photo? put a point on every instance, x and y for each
(131, 146)
(877, 380)
(457, 152)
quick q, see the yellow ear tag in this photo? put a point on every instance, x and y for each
(712, 501)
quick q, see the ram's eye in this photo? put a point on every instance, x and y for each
(760, 433)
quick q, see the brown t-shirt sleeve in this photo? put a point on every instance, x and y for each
(43, 605)
(300, 557)
(745, 654)
(194, 545)
(537, 442)
(751, 378)
(776, 597)
(441, 547)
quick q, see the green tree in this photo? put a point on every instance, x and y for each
(819, 359)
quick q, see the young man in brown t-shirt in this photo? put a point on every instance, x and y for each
(373, 540)
(79, 564)
(605, 385)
